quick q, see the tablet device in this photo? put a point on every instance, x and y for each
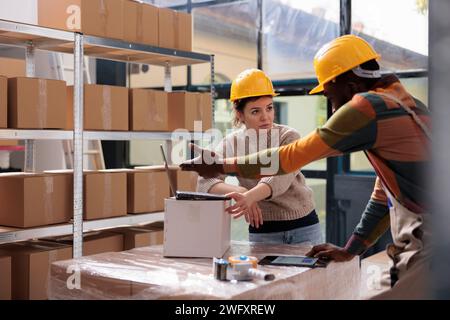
(295, 261)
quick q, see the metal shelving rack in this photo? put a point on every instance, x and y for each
(32, 37)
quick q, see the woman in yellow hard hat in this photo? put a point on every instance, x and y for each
(372, 113)
(278, 209)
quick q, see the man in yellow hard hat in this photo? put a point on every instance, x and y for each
(374, 114)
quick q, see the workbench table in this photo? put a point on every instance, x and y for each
(143, 273)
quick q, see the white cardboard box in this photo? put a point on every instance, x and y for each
(199, 229)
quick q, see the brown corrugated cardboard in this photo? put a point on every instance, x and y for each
(31, 200)
(204, 110)
(12, 67)
(149, 110)
(141, 23)
(105, 194)
(136, 237)
(31, 262)
(95, 242)
(36, 103)
(103, 18)
(3, 102)
(187, 180)
(187, 107)
(183, 180)
(183, 31)
(147, 190)
(5, 277)
(167, 18)
(105, 108)
(9, 142)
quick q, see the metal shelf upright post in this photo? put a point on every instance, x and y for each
(78, 108)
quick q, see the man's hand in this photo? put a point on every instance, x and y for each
(247, 207)
(208, 164)
(328, 251)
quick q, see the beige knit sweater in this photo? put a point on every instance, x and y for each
(291, 198)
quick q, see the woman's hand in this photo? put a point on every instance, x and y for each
(245, 206)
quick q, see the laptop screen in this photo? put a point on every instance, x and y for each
(171, 184)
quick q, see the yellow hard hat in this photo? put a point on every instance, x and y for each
(251, 83)
(339, 56)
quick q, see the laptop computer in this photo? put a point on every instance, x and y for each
(187, 195)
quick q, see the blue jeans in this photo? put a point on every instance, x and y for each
(311, 235)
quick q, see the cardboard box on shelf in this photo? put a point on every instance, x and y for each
(187, 180)
(94, 242)
(183, 180)
(31, 262)
(105, 194)
(188, 107)
(149, 110)
(102, 18)
(105, 108)
(136, 237)
(167, 30)
(147, 190)
(196, 228)
(5, 277)
(36, 103)
(31, 200)
(9, 142)
(3, 102)
(12, 67)
(183, 31)
(141, 23)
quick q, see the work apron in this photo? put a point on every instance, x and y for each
(410, 252)
(410, 255)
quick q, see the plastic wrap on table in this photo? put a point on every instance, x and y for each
(143, 273)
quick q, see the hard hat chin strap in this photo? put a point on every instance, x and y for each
(370, 74)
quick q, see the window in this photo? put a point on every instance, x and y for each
(398, 30)
(229, 31)
(293, 33)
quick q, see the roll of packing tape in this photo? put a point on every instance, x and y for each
(243, 259)
(220, 269)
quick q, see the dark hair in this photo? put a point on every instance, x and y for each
(238, 106)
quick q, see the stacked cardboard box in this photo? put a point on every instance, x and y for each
(105, 108)
(149, 110)
(31, 200)
(147, 190)
(127, 20)
(141, 23)
(175, 29)
(105, 194)
(94, 242)
(187, 107)
(31, 262)
(3, 102)
(136, 237)
(186, 180)
(36, 103)
(12, 67)
(103, 18)
(5, 277)
(182, 180)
